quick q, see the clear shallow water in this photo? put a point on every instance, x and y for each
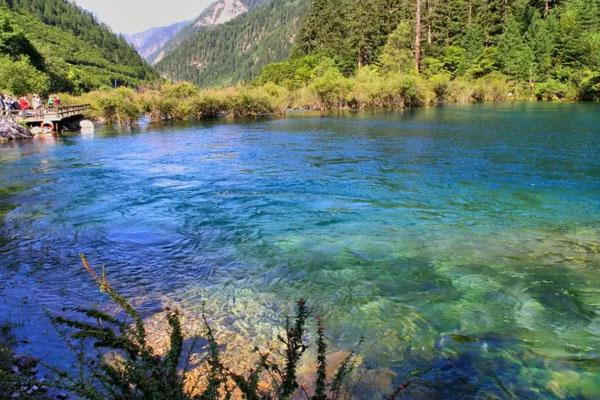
(463, 243)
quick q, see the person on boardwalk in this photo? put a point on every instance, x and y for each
(56, 102)
(13, 104)
(36, 102)
(24, 105)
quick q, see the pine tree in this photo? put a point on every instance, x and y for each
(418, 35)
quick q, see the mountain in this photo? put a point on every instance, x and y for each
(66, 47)
(217, 13)
(236, 50)
(152, 40)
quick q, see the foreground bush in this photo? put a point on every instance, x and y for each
(125, 366)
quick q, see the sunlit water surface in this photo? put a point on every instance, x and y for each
(463, 243)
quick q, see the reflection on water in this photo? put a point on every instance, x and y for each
(463, 243)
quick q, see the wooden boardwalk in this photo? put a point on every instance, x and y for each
(57, 117)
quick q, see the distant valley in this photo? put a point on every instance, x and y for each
(152, 40)
(156, 43)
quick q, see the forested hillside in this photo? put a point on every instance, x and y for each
(217, 13)
(53, 45)
(237, 50)
(538, 42)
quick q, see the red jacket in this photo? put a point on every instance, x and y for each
(23, 103)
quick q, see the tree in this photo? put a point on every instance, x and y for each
(15, 44)
(540, 39)
(397, 55)
(418, 35)
(20, 77)
(515, 56)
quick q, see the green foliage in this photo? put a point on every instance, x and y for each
(516, 58)
(321, 383)
(352, 32)
(117, 106)
(296, 72)
(440, 85)
(14, 43)
(331, 89)
(21, 77)
(374, 89)
(529, 41)
(590, 86)
(491, 88)
(397, 55)
(551, 90)
(69, 45)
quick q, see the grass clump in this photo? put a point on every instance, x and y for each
(183, 101)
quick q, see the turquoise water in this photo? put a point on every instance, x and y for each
(462, 243)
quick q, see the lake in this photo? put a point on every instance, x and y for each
(462, 243)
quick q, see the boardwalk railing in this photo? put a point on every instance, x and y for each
(51, 113)
(65, 112)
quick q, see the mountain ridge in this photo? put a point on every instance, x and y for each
(154, 43)
(153, 39)
(238, 49)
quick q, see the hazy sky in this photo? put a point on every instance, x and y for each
(131, 16)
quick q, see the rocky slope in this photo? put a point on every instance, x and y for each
(10, 130)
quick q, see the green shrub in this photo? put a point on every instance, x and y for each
(491, 88)
(331, 89)
(368, 88)
(253, 102)
(211, 104)
(551, 90)
(409, 91)
(20, 77)
(118, 106)
(460, 91)
(295, 72)
(589, 86)
(440, 84)
(432, 66)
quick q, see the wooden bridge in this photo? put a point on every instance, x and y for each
(58, 117)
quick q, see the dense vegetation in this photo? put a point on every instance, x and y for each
(455, 50)
(543, 48)
(53, 45)
(237, 50)
(181, 101)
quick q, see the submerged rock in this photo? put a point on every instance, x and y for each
(11, 130)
